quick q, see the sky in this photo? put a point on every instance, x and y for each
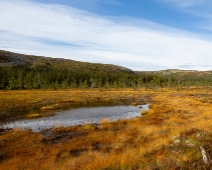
(142, 35)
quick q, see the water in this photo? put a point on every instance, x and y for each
(79, 116)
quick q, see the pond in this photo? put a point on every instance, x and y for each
(77, 116)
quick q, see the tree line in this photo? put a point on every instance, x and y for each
(39, 77)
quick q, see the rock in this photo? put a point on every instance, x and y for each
(204, 155)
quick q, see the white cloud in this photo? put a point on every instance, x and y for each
(41, 29)
(198, 10)
(186, 3)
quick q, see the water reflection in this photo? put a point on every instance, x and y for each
(78, 117)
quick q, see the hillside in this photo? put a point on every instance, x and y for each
(19, 71)
(12, 59)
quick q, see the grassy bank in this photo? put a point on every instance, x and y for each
(174, 134)
(26, 100)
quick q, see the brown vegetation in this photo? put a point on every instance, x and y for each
(27, 100)
(174, 134)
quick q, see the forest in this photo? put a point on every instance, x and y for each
(48, 77)
(18, 71)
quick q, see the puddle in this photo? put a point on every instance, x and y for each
(79, 116)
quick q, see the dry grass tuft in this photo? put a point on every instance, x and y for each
(169, 136)
(144, 112)
(51, 107)
(134, 103)
(33, 115)
(105, 120)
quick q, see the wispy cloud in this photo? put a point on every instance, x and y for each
(199, 10)
(186, 3)
(61, 31)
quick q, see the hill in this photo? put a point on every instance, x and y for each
(19, 71)
(11, 59)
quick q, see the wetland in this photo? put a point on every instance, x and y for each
(78, 115)
(173, 133)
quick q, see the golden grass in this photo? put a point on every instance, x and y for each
(105, 120)
(144, 112)
(134, 103)
(36, 99)
(33, 115)
(168, 137)
(51, 107)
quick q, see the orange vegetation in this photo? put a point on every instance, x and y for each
(169, 136)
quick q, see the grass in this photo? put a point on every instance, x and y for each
(105, 120)
(39, 99)
(33, 115)
(134, 103)
(170, 136)
(144, 112)
(51, 107)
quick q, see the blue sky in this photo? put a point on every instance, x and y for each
(138, 34)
